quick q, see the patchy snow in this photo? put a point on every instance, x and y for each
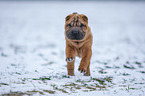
(32, 44)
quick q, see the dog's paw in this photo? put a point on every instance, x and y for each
(70, 59)
(87, 74)
(82, 70)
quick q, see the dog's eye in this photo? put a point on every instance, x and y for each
(69, 25)
(82, 25)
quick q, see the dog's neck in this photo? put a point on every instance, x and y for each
(78, 44)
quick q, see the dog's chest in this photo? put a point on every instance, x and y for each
(78, 48)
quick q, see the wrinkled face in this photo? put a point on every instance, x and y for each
(76, 26)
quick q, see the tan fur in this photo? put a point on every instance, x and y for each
(81, 48)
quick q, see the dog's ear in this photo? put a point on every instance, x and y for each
(67, 18)
(85, 18)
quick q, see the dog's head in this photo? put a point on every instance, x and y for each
(76, 26)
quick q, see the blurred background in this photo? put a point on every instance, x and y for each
(32, 47)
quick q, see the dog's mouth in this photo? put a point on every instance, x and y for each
(75, 34)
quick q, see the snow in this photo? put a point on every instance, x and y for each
(32, 49)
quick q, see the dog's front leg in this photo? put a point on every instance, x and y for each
(70, 58)
(85, 62)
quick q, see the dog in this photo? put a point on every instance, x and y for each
(78, 38)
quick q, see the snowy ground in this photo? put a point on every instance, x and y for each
(32, 44)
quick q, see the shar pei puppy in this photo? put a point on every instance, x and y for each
(78, 43)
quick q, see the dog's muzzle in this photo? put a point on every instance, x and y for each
(75, 34)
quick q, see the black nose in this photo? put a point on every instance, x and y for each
(75, 31)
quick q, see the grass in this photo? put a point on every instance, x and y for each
(3, 84)
(42, 78)
(84, 85)
(29, 93)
